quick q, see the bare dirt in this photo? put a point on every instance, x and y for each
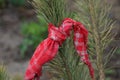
(11, 38)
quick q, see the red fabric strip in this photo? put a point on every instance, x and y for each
(48, 48)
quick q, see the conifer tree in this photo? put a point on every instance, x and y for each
(94, 14)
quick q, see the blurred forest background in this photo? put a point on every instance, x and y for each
(21, 30)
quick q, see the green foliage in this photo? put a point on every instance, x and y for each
(95, 17)
(54, 11)
(2, 3)
(17, 2)
(94, 14)
(3, 73)
(66, 65)
(118, 51)
(108, 78)
(17, 77)
(110, 72)
(34, 33)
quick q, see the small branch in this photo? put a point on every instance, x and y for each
(97, 41)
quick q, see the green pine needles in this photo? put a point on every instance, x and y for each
(66, 65)
(3, 73)
(94, 14)
(54, 11)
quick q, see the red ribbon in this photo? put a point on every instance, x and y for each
(48, 48)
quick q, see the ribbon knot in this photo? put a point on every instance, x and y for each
(56, 34)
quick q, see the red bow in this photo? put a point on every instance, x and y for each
(48, 48)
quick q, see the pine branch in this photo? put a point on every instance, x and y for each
(54, 11)
(3, 73)
(95, 15)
